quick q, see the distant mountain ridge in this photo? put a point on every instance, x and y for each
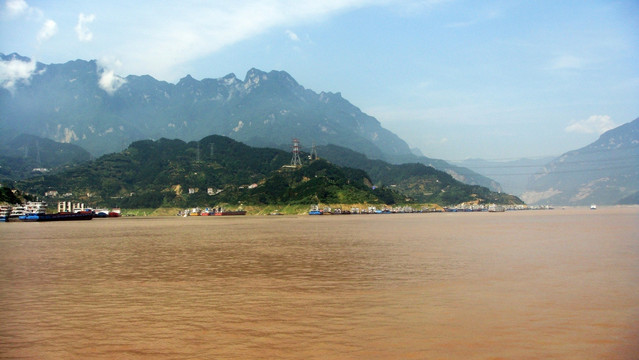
(512, 175)
(416, 180)
(28, 155)
(79, 102)
(72, 107)
(605, 172)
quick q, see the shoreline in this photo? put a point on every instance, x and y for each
(303, 209)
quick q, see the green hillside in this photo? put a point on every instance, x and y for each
(217, 169)
(415, 180)
(19, 156)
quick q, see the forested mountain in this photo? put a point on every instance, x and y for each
(218, 169)
(416, 180)
(79, 102)
(605, 172)
(28, 155)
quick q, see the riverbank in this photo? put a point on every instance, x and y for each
(255, 210)
(297, 209)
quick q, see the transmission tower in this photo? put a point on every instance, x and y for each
(314, 155)
(38, 153)
(296, 161)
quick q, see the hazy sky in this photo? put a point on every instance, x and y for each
(456, 79)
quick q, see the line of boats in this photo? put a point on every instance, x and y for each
(37, 211)
(210, 212)
(316, 210)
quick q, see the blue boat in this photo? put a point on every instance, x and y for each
(58, 217)
(315, 210)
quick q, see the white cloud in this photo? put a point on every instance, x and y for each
(161, 41)
(291, 35)
(14, 71)
(178, 32)
(109, 81)
(16, 7)
(49, 28)
(595, 124)
(81, 29)
(20, 8)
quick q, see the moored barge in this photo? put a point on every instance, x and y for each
(63, 216)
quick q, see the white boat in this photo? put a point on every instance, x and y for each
(35, 207)
(5, 210)
(593, 207)
(16, 212)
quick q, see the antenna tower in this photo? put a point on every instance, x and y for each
(296, 161)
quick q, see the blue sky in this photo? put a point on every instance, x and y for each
(457, 79)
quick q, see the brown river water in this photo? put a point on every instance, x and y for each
(558, 284)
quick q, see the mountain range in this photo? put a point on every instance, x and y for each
(25, 156)
(605, 172)
(512, 175)
(79, 102)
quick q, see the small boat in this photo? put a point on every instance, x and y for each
(593, 207)
(101, 213)
(115, 212)
(315, 210)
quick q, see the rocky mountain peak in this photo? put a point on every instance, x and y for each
(188, 80)
(229, 79)
(14, 56)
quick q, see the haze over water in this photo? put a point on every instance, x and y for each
(556, 284)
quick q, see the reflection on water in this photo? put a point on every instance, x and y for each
(557, 284)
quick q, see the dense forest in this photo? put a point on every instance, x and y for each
(217, 169)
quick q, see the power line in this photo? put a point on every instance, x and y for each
(566, 171)
(592, 161)
(579, 151)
